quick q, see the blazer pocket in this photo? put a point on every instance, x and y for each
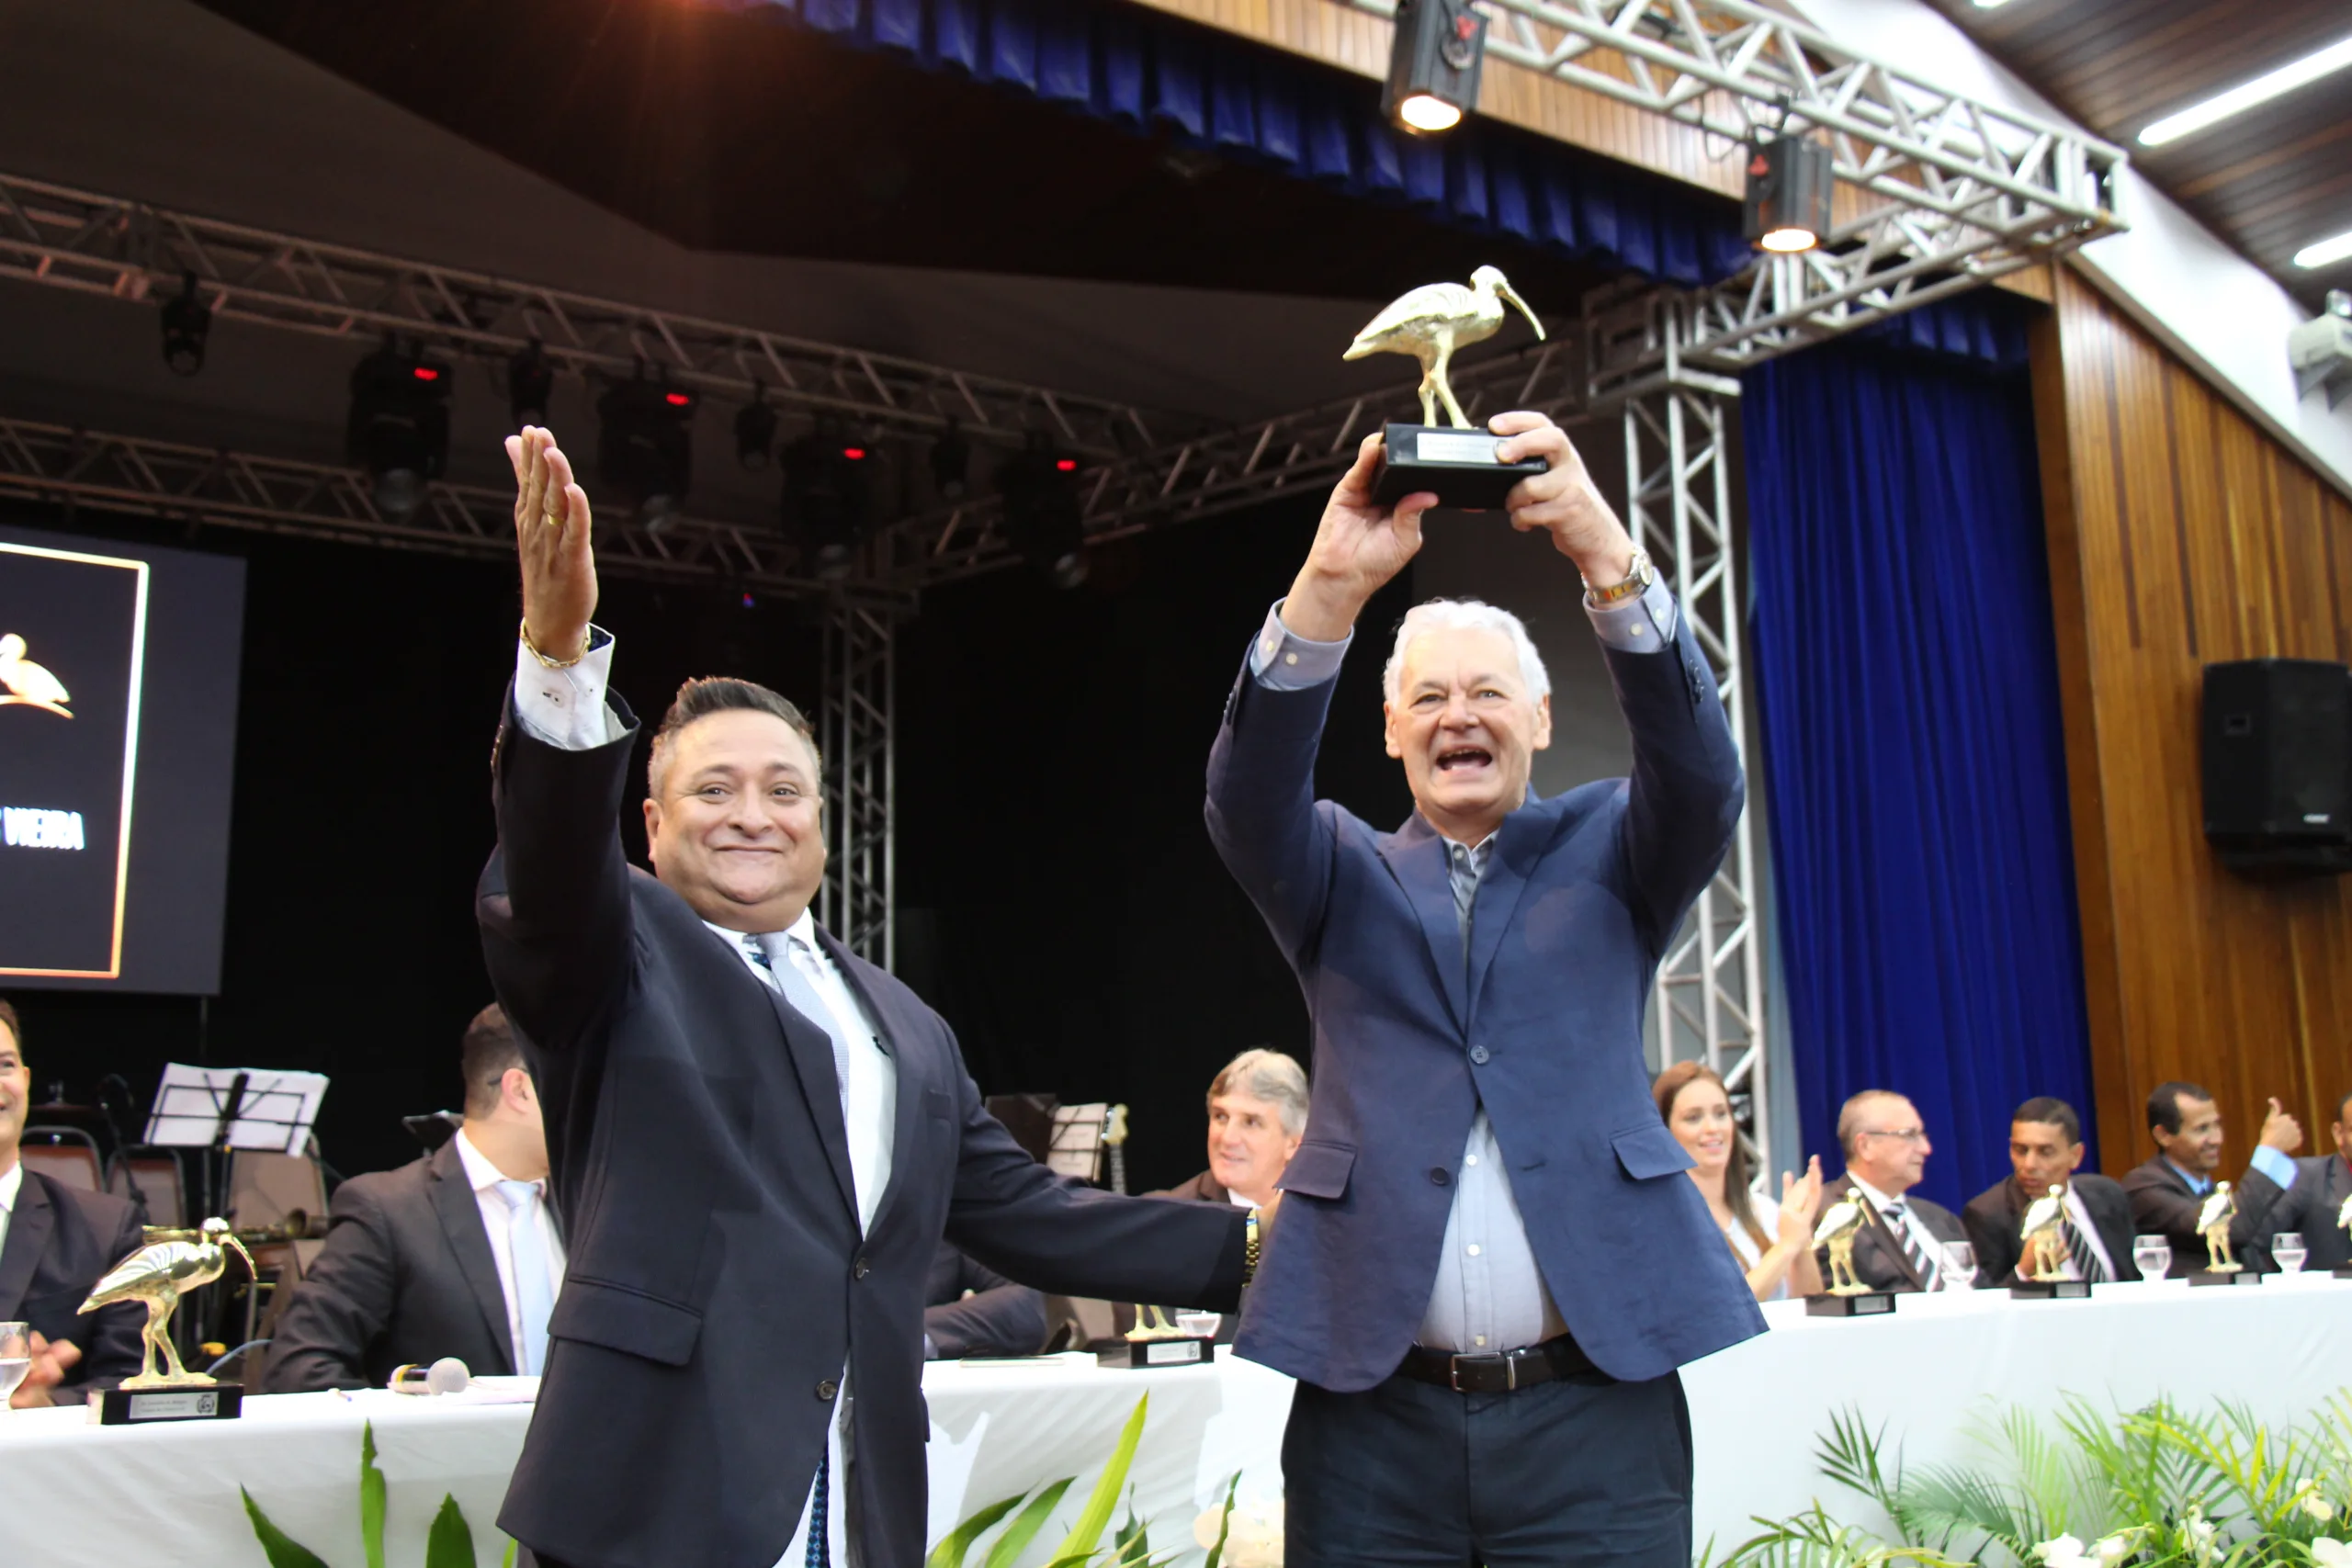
(938, 1102)
(1645, 1151)
(1319, 1170)
(620, 1318)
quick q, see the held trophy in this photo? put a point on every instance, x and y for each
(1839, 1230)
(2221, 1266)
(1456, 462)
(2045, 1248)
(172, 1263)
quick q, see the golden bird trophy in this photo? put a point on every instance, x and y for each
(2214, 1219)
(172, 1263)
(1154, 1341)
(1456, 462)
(2043, 1235)
(1841, 1224)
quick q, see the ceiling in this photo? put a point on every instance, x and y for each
(2270, 181)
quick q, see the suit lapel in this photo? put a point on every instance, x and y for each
(811, 1049)
(460, 1213)
(1517, 843)
(898, 1045)
(1414, 855)
(28, 1228)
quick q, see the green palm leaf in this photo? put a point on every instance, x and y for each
(952, 1547)
(449, 1544)
(281, 1551)
(1026, 1524)
(371, 1499)
(1224, 1521)
(1078, 1546)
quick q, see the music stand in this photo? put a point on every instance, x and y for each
(1076, 1148)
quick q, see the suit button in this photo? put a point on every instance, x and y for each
(1478, 1055)
(1440, 1176)
(860, 1269)
(826, 1390)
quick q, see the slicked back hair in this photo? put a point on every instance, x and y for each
(2164, 1104)
(491, 1047)
(2052, 1112)
(1849, 1115)
(707, 695)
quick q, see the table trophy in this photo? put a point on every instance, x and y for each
(2222, 1268)
(1839, 1230)
(2344, 1223)
(1154, 1341)
(1455, 462)
(2045, 1245)
(172, 1263)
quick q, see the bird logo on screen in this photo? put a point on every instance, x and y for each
(28, 683)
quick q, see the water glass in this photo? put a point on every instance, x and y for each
(2154, 1256)
(1960, 1266)
(1199, 1325)
(15, 1358)
(2287, 1248)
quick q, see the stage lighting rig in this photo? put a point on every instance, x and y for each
(645, 445)
(756, 431)
(187, 321)
(1042, 515)
(951, 463)
(399, 428)
(1433, 65)
(531, 384)
(1790, 181)
(827, 492)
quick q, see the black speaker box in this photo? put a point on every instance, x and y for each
(2277, 754)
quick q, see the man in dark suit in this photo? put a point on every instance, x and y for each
(757, 1138)
(971, 1311)
(2315, 1203)
(2095, 1238)
(2167, 1193)
(455, 1254)
(1886, 1150)
(1257, 1116)
(1490, 1265)
(55, 1243)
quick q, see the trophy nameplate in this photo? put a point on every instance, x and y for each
(2051, 1291)
(1186, 1352)
(2225, 1277)
(1862, 1303)
(154, 1406)
(1457, 466)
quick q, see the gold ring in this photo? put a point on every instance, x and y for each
(553, 519)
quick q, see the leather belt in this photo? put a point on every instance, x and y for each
(1499, 1371)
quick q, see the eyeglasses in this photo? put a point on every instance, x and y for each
(1906, 1136)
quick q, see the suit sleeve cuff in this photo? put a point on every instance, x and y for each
(1281, 660)
(2278, 1165)
(1637, 625)
(565, 708)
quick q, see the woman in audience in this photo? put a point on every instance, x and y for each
(1772, 1241)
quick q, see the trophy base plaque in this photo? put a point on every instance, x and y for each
(2344, 1270)
(1869, 1304)
(150, 1406)
(2051, 1291)
(2235, 1277)
(1136, 1353)
(1458, 466)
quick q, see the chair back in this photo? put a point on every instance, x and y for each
(265, 1188)
(151, 1176)
(64, 1154)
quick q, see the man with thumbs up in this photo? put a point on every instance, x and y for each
(2168, 1192)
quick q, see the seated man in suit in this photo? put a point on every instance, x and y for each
(1887, 1151)
(1257, 1116)
(972, 1311)
(55, 1242)
(2168, 1192)
(2046, 1145)
(2313, 1205)
(455, 1254)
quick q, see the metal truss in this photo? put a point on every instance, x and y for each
(856, 731)
(104, 245)
(1710, 1003)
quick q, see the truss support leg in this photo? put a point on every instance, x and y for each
(1710, 1005)
(856, 729)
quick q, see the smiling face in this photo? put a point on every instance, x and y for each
(1890, 1146)
(1248, 1147)
(1467, 727)
(15, 1093)
(1701, 1123)
(2196, 1146)
(736, 828)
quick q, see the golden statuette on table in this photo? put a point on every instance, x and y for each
(2043, 1235)
(1455, 462)
(172, 1263)
(2214, 1224)
(1841, 1226)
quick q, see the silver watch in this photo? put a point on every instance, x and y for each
(1637, 582)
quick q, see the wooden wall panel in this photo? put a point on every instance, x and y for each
(2181, 534)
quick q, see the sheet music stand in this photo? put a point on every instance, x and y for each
(235, 1108)
(1076, 1148)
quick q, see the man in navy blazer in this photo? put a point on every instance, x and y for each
(756, 1138)
(1490, 1264)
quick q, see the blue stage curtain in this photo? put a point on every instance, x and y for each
(1916, 771)
(1154, 74)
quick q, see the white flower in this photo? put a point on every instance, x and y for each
(2307, 1498)
(2115, 1547)
(2065, 1551)
(1252, 1540)
(2331, 1553)
(2200, 1531)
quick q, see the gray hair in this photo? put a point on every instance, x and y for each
(1269, 1076)
(1451, 614)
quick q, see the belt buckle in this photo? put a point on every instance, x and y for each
(1510, 1365)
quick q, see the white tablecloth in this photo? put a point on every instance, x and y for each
(79, 1497)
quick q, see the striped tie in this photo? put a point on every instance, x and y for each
(1922, 1263)
(2078, 1247)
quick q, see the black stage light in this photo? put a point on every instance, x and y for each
(645, 445)
(399, 429)
(187, 321)
(951, 463)
(1788, 184)
(756, 431)
(1433, 64)
(826, 494)
(531, 384)
(1042, 514)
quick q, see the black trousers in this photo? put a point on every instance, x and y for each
(1584, 1471)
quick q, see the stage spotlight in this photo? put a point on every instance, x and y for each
(530, 386)
(399, 429)
(1788, 184)
(756, 431)
(826, 491)
(951, 463)
(1042, 514)
(1433, 64)
(645, 445)
(187, 321)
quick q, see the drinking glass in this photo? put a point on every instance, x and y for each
(2287, 1247)
(2154, 1255)
(1960, 1265)
(1199, 1325)
(15, 1358)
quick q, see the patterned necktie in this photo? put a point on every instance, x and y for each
(2078, 1247)
(796, 989)
(1922, 1263)
(534, 1298)
(820, 1553)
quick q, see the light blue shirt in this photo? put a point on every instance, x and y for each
(2275, 1164)
(1488, 1295)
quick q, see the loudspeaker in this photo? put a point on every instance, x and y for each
(2277, 754)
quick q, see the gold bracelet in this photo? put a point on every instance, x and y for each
(1249, 1247)
(532, 649)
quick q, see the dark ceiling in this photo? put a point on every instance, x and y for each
(736, 132)
(2270, 181)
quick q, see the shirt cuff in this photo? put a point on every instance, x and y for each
(2275, 1164)
(1636, 626)
(1281, 660)
(565, 708)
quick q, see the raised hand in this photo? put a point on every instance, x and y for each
(552, 537)
(2281, 1130)
(1799, 1202)
(1563, 499)
(1358, 546)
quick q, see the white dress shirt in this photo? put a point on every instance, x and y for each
(498, 1220)
(11, 1180)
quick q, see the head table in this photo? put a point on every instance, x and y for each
(73, 1495)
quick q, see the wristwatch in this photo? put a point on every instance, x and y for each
(1637, 582)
